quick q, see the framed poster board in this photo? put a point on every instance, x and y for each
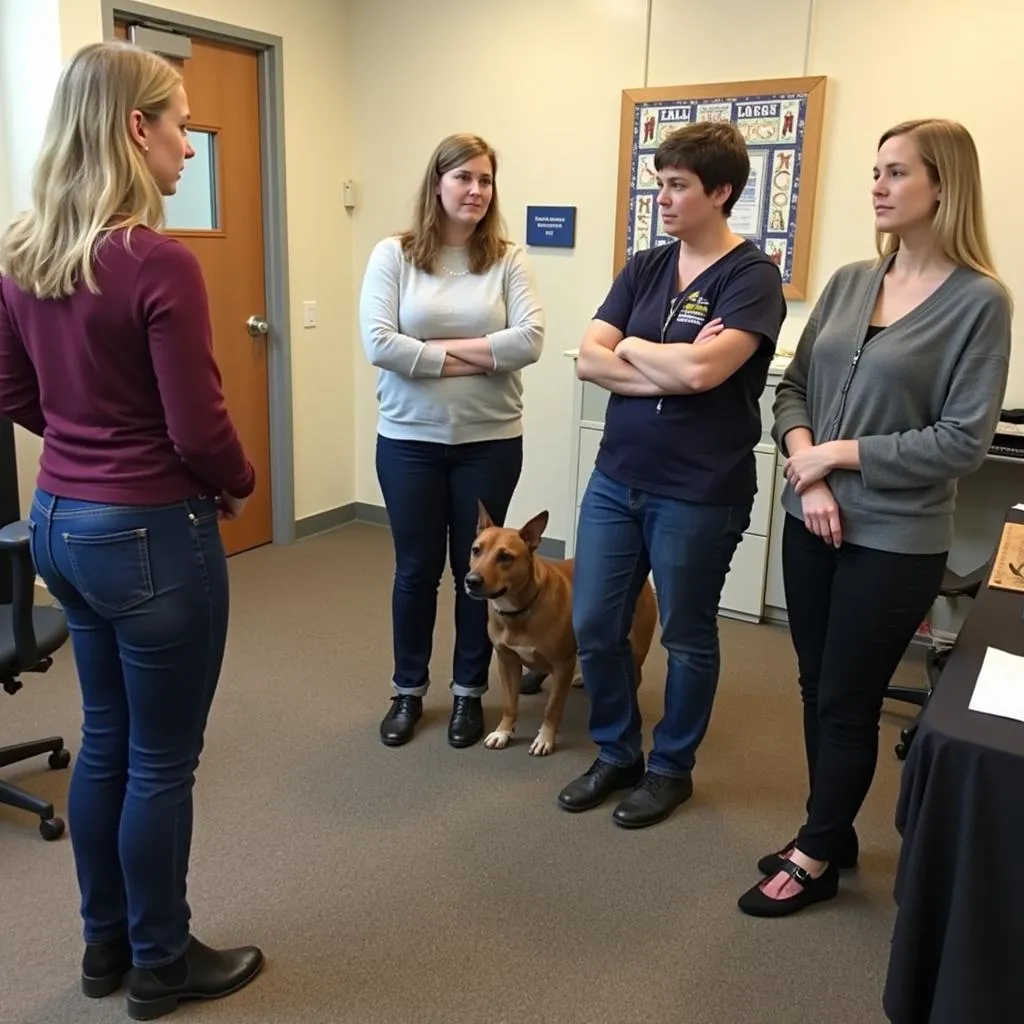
(781, 120)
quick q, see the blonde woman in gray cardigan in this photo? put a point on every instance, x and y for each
(449, 314)
(894, 393)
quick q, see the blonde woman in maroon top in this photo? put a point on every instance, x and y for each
(105, 352)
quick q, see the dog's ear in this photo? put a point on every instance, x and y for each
(534, 530)
(483, 517)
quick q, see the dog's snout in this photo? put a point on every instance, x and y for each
(474, 581)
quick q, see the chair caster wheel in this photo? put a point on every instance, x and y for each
(60, 758)
(902, 749)
(51, 828)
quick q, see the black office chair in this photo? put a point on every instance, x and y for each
(29, 636)
(953, 586)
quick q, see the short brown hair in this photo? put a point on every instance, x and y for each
(712, 150)
(422, 242)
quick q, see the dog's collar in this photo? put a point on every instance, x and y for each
(516, 612)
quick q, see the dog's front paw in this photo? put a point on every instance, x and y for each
(498, 740)
(544, 743)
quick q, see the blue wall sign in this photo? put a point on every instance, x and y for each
(553, 226)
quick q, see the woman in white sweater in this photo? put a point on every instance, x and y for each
(449, 314)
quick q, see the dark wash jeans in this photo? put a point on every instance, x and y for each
(852, 614)
(431, 492)
(145, 591)
(622, 535)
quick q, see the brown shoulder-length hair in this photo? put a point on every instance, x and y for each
(422, 242)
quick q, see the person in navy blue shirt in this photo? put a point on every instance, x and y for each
(683, 342)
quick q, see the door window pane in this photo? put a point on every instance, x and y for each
(194, 206)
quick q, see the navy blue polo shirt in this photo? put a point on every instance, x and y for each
(697, 447)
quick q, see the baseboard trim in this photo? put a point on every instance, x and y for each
(376, 515)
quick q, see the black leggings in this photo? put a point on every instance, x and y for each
(852, 614)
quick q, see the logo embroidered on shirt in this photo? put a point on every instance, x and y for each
(694, 310)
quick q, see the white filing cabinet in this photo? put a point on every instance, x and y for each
(750, 578)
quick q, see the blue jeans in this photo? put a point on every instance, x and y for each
(145, 591)
(431, 492)
(622, 535)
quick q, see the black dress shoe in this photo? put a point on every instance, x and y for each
(466, 725)
(813, 890)
(200, 973)
(653, 800)
(104, 965)
(846, 857)
(400, 721)
(598, 783)
(532, 682)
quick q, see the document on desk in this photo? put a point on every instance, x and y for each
(1008, 565)
(999, 689)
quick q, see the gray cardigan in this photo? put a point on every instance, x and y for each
(922, 397)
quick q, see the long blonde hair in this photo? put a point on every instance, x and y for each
(422, 242)
(90, 177)
(951, 159)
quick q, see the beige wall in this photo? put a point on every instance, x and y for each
(319, 231)
(419, 71)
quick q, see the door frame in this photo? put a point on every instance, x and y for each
(269, 54)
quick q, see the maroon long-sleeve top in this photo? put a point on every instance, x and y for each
(123, 386)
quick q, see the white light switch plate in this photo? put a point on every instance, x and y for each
(309, 313)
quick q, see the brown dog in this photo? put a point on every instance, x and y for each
(529, 620)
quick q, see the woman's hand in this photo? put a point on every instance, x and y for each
(231, 507)
(808, 466)
(821, 513)
(711, 330)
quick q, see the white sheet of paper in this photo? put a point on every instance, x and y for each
(999, 689)
(1019, 506)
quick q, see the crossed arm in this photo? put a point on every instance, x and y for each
(638, 368)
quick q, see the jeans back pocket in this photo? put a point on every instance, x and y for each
(111, 570)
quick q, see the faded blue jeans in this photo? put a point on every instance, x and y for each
(622, 535)
(145, 591)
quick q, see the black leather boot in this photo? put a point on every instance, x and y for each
(400, 721)
(598, 783)
(104, 965)
(466, 725)
(201, 973)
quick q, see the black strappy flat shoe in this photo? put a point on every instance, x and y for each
(813, 890)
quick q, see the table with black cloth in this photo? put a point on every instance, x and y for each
(957, 954)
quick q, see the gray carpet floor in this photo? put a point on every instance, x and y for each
(425, 884)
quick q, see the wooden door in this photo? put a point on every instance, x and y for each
(218, 215)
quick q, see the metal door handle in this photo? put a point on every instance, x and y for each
(256, 326)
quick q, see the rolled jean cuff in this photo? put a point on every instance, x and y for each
(468, 691)
(410, 691)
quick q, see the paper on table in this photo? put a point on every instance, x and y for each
(999, 689)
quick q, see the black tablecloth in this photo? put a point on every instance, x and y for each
(957, 952)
